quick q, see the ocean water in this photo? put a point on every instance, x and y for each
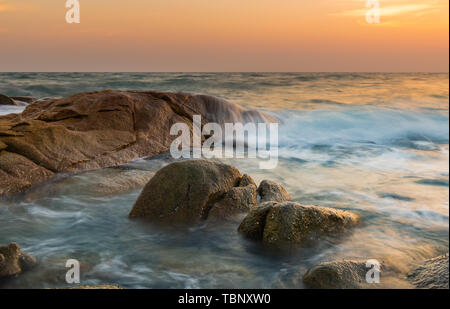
(375, 144)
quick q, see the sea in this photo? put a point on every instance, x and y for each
(376, 144)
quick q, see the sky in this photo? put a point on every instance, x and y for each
(224, 35)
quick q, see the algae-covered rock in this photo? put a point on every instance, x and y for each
(184, 192)
(271, 191)
(290, 223)
(240, 199)
(433, 274)
(344, 274)
(13, 261)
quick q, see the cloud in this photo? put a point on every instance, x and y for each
(392, 10)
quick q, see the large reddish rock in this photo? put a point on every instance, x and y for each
(99, 129)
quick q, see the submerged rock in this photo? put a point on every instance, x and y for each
(271, 191)
(13, 262)
(4, 100)
(345, 274)
(101, 129)
(433, 274)
(97, 183)
(289, 223)
(185, 192)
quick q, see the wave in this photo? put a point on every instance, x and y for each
(371, 126)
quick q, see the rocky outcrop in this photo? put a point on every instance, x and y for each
(99, 129)
(18, 173)
(433, 274)
(13, 262)
(271, 191)
(193, 191)
(287, 224)
(4, 100)
(345, 274)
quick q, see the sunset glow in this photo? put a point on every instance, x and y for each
(224, 35)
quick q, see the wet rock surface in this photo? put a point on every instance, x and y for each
(240, 199)
(186, 192)
(271, 191)
(289, 223)
(344, 274)
(13, 262)
(433, 274)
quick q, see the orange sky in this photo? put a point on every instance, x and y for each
(224, 35)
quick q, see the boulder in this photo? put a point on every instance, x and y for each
(26, 261)
(185, 192)
(289, 223)
(433, 274)
(240, 199)
(271, 191)
(344, 274)
(13, 261)
(4, 100)
(101, 129)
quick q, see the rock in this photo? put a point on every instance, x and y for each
(26, 261)
(101, 129)
(433, 274)
(13, 261)
(240, 199)
(345, 274)
(271, 191)
(4, 100)
(96, 287)
(25, 99)
(289, 223)
(10, 256)
(17, 173)
(185, 192)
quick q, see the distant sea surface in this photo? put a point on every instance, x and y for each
(376, 144)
